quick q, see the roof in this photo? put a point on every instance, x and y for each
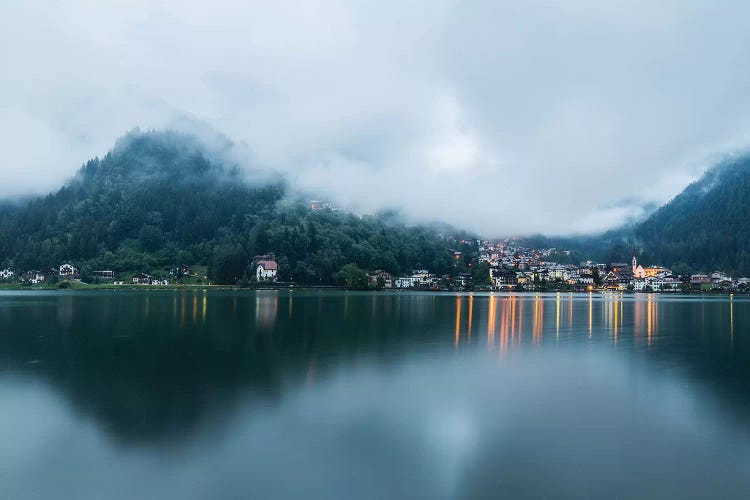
(269, 265)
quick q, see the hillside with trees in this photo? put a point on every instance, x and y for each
(159, 199)
(705, 227)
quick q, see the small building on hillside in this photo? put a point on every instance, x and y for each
(503, 278)
(180, 270)
(377, 276)
(616, 280)
(142, 279)
(6, 274)
(34, 277)
(700, 282)
(68, 271)
(463, 280)
(266, 270)
(105, 275)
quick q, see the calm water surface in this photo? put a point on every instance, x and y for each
(163, 394)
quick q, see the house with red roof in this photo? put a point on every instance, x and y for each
(266, 270)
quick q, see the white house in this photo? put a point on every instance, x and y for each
(666, 284)
(640, 284)
(407, 282)
(68, 271)
(142, 279)
(558, 272)
(266, 270)
(6, 274)
(34, 277)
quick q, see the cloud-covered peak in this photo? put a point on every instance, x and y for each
(497, 116)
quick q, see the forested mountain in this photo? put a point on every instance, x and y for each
(705, 227)
(159, 199)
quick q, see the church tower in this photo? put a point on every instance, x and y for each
(635, 264)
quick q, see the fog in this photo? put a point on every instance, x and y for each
(499, 117)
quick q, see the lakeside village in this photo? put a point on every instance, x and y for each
(496, 266)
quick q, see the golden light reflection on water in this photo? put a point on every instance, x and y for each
(266, 307)
(458, 318)
(513, 317)
(638, 318)
(624, 318)
(520, 320)
(538, 320)
(616, 308)
(504, 324)
(570, 311)
(471, 310)
(652, 315)
(557, 316)
(491, 320)
(591, 314)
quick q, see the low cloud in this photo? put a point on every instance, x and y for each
(500, 117)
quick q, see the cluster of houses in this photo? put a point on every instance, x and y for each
(510, 268)
(419, 279)
(531, 272)
(265, 268)
(34, 276)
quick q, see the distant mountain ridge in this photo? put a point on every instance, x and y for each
(162, 198)
(706, 226)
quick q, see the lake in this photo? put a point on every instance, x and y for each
(346, 395)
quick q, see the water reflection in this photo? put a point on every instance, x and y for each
(266, 308)
(370, 385)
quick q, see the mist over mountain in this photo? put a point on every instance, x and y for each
(158, 199)
(707, 226)
(704, 228)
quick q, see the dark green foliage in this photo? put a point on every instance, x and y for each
(481, 275)
(157, 200)
(228, 264)
(707, 226)
(353, 277)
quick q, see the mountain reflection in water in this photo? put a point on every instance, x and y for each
(179, 394)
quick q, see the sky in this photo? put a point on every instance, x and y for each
(505, 118)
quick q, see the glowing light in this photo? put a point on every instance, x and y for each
(649, 319)
(491, 321)
(591, 316)
(471, 308)
(458, 319)
(557, 317)
(538, 320)
(617, 310)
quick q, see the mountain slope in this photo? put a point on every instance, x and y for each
(707, 226)
(160, 199)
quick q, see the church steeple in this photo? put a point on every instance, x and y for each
(635, 264)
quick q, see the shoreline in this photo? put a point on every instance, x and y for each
(289, 287)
